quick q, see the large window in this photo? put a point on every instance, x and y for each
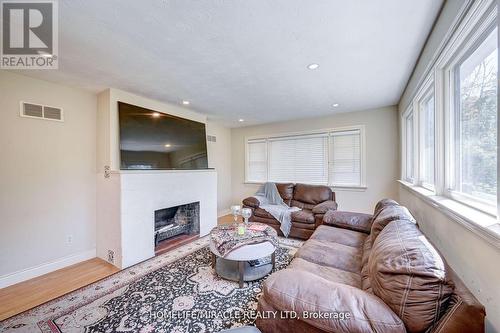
(449, 144)
(330, 157)
(428, 126)
(474, 141)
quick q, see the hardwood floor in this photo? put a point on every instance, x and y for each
(28, 294)
(227, 219)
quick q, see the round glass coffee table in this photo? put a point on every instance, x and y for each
(245, 262)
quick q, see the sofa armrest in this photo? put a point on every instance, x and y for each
(325, 206)
(349, 220)
(252, 202)
(345, 308)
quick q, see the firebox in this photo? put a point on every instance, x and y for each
(174, 221)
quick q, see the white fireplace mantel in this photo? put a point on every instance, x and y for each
(127, 201)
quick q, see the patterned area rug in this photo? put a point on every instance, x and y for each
(175, 292)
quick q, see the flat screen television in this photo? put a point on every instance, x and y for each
(159, 141)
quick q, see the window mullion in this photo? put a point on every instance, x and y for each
(440, 142)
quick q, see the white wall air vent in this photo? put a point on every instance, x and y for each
(32, 110)
(211, 138)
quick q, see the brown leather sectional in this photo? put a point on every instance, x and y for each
(314, 201)
(378, 268)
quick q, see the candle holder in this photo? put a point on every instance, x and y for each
(235, 211)
(246, 213)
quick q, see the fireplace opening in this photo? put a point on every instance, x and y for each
(175, 226)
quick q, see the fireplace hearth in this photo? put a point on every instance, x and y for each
(175, 221)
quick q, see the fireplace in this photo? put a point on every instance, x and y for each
(176, 223)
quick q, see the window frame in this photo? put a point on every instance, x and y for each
(454, 59)
(362, 180)
(425, 93)
(268, 138)
(247, 160)
(404, 131)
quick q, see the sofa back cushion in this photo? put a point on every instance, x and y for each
(286, 191)
(388, 214)
(382, 204)
(312, 194)
(409, 275)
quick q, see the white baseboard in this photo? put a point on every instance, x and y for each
(224, 212)
(32, 272)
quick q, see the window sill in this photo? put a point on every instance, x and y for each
(250, 182)
(356, 188)
(482, 224)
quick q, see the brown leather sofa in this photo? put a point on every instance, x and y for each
(314, 201)
(378, 268)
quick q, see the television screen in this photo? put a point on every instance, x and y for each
(155, 140)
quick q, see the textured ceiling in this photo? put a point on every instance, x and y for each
(245, 58)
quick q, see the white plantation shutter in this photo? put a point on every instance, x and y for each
(257, 160)
(299, 159)
(345, 158)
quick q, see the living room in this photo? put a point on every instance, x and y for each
(263, 166)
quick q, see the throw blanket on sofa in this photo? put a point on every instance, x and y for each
(270, 200)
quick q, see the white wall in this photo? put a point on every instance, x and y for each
(474, 259)
(48, 174)
(47, 179)
(381, 154)
(219, 158)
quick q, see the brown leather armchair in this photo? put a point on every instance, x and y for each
(313, 200)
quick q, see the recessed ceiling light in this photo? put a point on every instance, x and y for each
(167, 145)
(313, 66)
(185, 102)
(335, 105)
(241, 120)
(155, 114)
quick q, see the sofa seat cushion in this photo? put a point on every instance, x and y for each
(329, 273)
(340, 236)
(300, 225)
(304, 220)
(332, 255)
(303, 216)
(409, 275)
